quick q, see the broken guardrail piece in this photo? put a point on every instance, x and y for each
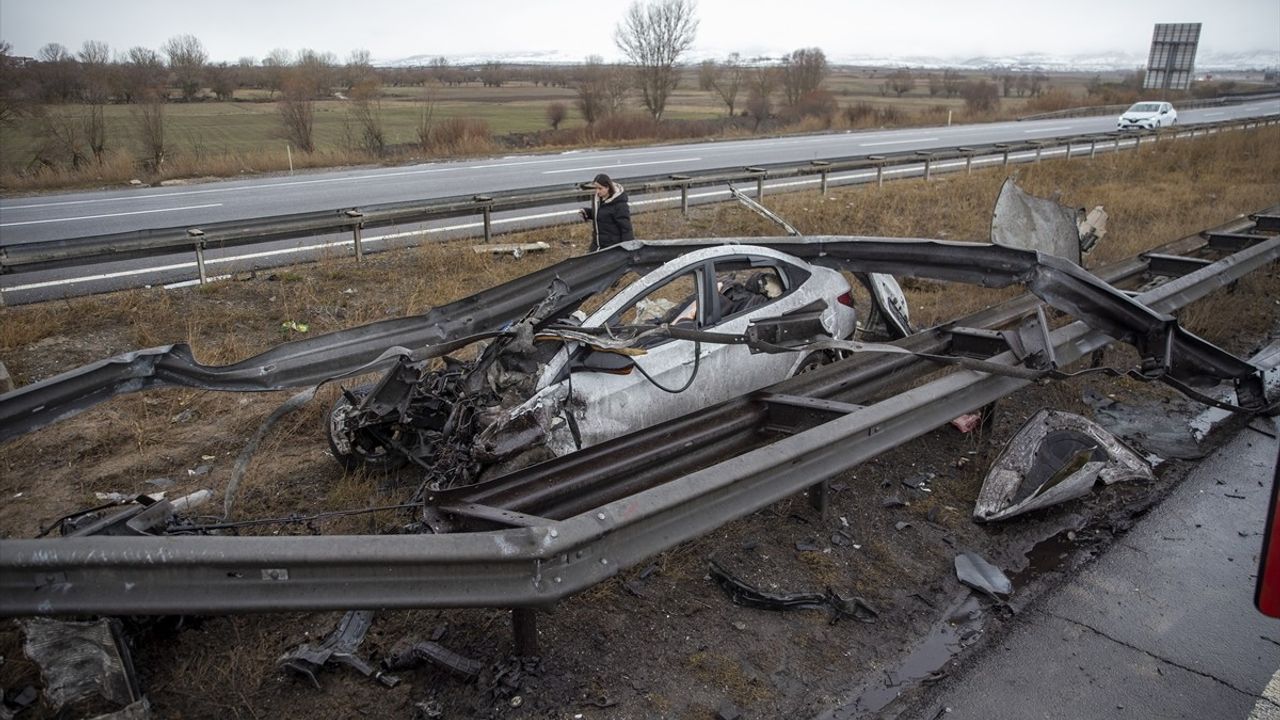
(339, 646)
(1055, 457)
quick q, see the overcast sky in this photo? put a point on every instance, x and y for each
(393, 29)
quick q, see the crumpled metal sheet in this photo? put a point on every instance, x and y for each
(312, 360)
(1055, 456)
(81, 659)
(974, 571)
(1022, 220)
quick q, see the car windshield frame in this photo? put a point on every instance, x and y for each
(1144, 107)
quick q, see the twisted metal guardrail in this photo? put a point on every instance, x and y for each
(91, 250)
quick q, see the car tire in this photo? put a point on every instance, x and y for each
(349, 452)
(815, 360)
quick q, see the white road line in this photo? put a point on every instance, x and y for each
(1048, 129)
(599, 167)
(897, 142)
(1214, 113)
(1265, 707)
(108, 215)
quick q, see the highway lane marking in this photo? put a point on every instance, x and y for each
(109, 215)
(1214, 113)
(1265, 707)
(896, 142)
(597, 168)
(1048, 129)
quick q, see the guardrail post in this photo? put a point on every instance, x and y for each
(684, 193)
(1068, 149)
(1005, 148)
(1093, 148)
(822, 183)
(356, 233)
(928, 162)
(1039, 148)
(968, 159)
(1115, 147)
(879, 161)
(759, 181)
(487, 212)
(198, 235)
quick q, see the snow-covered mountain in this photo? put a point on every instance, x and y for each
(1085, 62)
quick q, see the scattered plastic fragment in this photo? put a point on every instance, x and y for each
(974, 571)
(967, 423)
(295, 326)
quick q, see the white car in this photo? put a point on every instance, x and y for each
(1147, 116)
(559, 395)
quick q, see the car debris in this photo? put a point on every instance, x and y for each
(1022, 220)
(1056, 456)
(140, 710)
(974, 571)
(516, 250)
(410, 652)
(80, 660)
(747, 595)
(340, 647)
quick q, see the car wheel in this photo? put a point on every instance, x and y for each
(815, 360)
(359, 448)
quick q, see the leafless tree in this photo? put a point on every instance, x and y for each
(980, 96)
(726, 79)
(186, 61)
(761, 83)
(149, 118)
(426, 121)
(366, 111)
(297, 110)
(592, 101)
(440, 69)
(95, 69)
(143, 74)
(359, 69)
(952, 82)
(313, 73)
(936, 87)
(493, 74)
(653, 36)
(223, 80)
(802, 73)
(901, 81)
(274, 68)
(56, 73)
(11, 105)
(556, 113)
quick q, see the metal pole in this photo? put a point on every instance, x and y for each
(968, 164)
(204, 278)
(1038, 149)
(1093, 148)
(928, 166)
(822, 188)
(684, 199)
(1068, 149)
(488, 224)
(760, 188)
(355, 232)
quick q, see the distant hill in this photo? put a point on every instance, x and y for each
(1087, 62)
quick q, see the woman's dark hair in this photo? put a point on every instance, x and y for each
(603, 180)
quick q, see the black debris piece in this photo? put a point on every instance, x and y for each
(893, 501)
(411, 652)
(901, 525)
(807, 546)
(728, 711)
(79, 660)
(747, 595)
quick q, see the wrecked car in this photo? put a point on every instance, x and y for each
(535, 394)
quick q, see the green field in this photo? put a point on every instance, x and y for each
(249, 128)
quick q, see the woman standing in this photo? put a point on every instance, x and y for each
(611, 216)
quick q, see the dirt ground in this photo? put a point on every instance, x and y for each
(661, 640)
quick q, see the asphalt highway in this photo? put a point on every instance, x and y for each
(80, 214)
